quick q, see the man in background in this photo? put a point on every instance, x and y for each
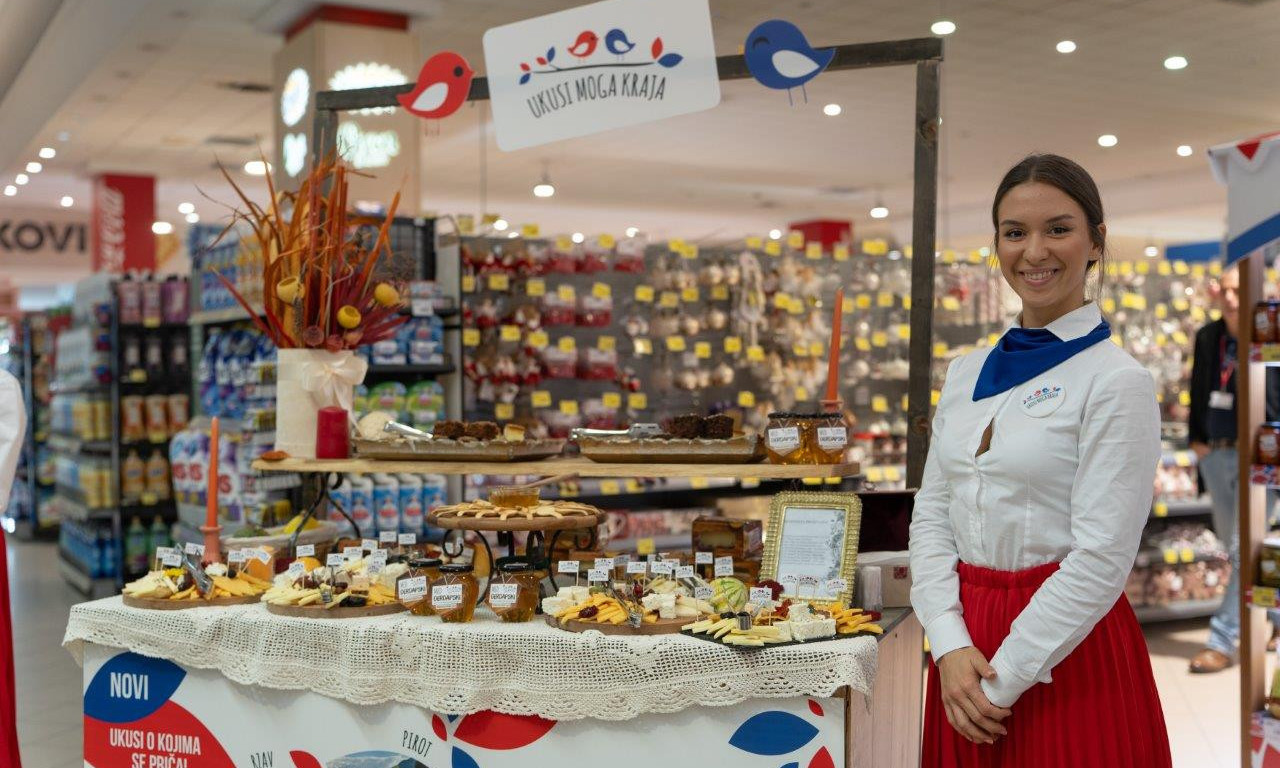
(1212, 434)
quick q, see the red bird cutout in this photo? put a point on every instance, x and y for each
(585, 45)
(443, 86)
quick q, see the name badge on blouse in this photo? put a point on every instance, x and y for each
(1222, 400)
(1042, 398)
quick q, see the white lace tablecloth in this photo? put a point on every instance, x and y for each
(523, 669)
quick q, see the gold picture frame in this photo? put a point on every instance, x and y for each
(823, 542)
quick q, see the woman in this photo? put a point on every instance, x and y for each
(1036, 489)
(13, 428)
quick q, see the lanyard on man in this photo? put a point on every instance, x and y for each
(1221, 398)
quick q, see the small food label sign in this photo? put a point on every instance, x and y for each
(567, 566)
(306, 550)
(723, 567)
(503, 595)
(600, 66)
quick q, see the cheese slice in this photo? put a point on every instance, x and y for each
(813, 630)
(554, 605)
(576, 594)
(800, 612)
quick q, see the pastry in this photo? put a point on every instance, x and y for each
(482, 430)
(449, 430)
(686, 427)
(718, 427)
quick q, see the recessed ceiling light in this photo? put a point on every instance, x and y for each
(633, 231)
(1066, 46)
(48, 153)
(10, 191)
(1175, 62)
(1185, 150)
(578, 237)
(1107, 140)
(1151, 251)
(879, 212)
(21, 179)
(257, 168)
(501, 225)
(185, 208)
(67, 201)
(775, 234)
(513, 234)
(943, 27)
(193, 218)
(161, 227)
(34, 167)
(831, 110)
(543, 190)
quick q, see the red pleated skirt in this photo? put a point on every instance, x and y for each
(1101, 709)
(9, 757)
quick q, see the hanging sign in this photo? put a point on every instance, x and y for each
(779, 56)
(443, 86)
(600, 66)
(1251, 171)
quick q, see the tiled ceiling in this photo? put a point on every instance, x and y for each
(753, 162)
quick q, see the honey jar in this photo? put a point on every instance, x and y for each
(413, 587)
(784, 439)
(454, 593)
(1266, 449)
(513, 593)
(830, 439)
(509, 496)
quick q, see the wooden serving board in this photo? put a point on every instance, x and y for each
(156, 604)
(341, 612)
(452, 450)
(660, 627)
(736, 450)
(468, 523)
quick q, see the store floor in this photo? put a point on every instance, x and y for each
(49, 719)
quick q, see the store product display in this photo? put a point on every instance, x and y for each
(213, 584)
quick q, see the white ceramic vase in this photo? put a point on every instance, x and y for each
(306, 381)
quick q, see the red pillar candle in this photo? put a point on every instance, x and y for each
(833, 353)
(333, 435)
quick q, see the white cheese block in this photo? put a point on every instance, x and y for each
(813, 630)
(554, 605)
(800, 612)
(576, 594)
(667, 610)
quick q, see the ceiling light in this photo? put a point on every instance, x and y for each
(161, 227)
(257, 167)
(831, 110)
(1151, 251)
(1175, 62)
(193, 218)
(10, 191)
(577, 237)
(34, 167)
(1066, 46)
(1107, 140)
(879, 212)
(543, 190)
(775, 234)
(21, 179)
(632, 231)
(67, 201)
(185, 208)
(1184, 150)
(513, 234)
(48, 153)
(501, 225)
(943, 27)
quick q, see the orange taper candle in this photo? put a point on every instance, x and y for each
(211, 510)
(833, 350)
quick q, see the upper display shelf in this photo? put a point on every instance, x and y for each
(552, 467)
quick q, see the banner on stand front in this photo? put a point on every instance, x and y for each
(1251, 171)
(599, 66)
(142, 712)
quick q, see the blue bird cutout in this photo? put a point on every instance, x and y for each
(617, 43)
(779, 56)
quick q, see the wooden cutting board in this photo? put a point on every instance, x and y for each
(341, 612)
(659, 627)
(155, 604)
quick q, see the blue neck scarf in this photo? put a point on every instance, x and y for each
(1024, 353)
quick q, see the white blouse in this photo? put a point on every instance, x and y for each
(1068, 477)
(13, 430)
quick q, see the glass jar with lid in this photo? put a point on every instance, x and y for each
(784, 439)
(454, 593)
(830, 439)
(513, 593)
(413, 588)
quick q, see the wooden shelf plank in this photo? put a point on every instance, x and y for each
(550, 467)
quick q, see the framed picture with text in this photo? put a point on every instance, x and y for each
(811, 546)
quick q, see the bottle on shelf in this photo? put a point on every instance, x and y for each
(386, 502)
(159, 535)
(158, 476)
(135, 547)
(133, 477)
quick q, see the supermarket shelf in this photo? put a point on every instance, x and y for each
(78, 576)
(154, 326)
(1267, 354)
(660, 543)
(1196, 508)
(443, 369)
(1185, 609)
(63, 388)
(72, 507)
(549, 467)
(1152, 556)
(218, 316)
(1264, 474)
(60, 443)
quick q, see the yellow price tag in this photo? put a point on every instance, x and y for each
(1109, 305)
(1197, 314)
(813, 251)
(892, 474)
(1184, 398)
(468, 283)
(862, 344)
(1161, 340)
(471, 337)
(1162, 311)
(906, 402)
(689, 294)
(690, 251)
(601, 291)
(906, 302)
(644, 294)
(637, 401)
(645, 547)
(1164, 268)
(642, 346)
(499, 281)
(940, 349)
(732, 344)
(1180, 268)
(1186, 555)
(1181, 304)
(1142, 267)
(755, 243)
(781, 300)
(563, 243)
(702, 350)
(529, 230)
(611, 400)
(539, 340)
(535, 286)
(1197, 270)
(1126, 268)
(1160, 509)
(840, 252)
(802, 395)
(799, 349)
(863, 301)
(948, 257)
(1265, 597)
(719, 292)
(904, 331)
(1180, 338)
(934, 396)
(541, 399)
(676, 344)
(504, 411)
(879, 339)
(606, 241)
(773, 248)
(884, 299)
(569, 407)
(846, 305)
(951, 303)
(632, 485)
(610, 488)
(466, 224)
(567, 344)
(699, 483)
(1117, 339)
(566, 293)
(746, 399)
(669, 300)
(795, 239)
(509, 333)
(815, 349)
(875, 475)
(880, 404)
(606, 343)
(755, 353)
(675, 245)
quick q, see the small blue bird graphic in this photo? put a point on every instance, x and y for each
(779, 56)
(617, 43)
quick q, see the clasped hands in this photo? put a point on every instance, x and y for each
(960, 674)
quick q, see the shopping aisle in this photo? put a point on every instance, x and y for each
(50, 729)
(1202, 711)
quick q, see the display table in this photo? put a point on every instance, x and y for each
(239, 686)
